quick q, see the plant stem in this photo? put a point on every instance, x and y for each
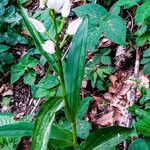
(61, 75)
(64, 40)
(49, 36)
(61, 25)
(75, 144)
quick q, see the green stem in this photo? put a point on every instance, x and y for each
(74, 131)
(64, 40)
(49, 36)
(61, 25)
(61, 75)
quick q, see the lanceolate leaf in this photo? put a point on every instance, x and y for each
(37, 38)
(105, 138)
(75, 67)
(43, 123)
(16, 130)
(60, 137)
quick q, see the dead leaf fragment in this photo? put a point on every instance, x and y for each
(106, 119)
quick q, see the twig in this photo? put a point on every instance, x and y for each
(134, 87)
(131, 20)
(35, 106)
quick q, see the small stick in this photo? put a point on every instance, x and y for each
(134, 87)
(35, 106)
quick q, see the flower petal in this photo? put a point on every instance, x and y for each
(38, 25)
(49, 47)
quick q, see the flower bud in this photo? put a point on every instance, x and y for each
(73, 26)
(38, 25)
(55, 4)
(51, 4)
(60, 4)
(49, 47)
(65, 11)
(42, 4)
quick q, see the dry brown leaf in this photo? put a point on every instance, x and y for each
(120, 50)
(84, 84)
(106, 119)
(9, 92)
(113, 79)
(125, 88)
(111, 89)
(144, 81)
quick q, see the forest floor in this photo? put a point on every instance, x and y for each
(107, 108)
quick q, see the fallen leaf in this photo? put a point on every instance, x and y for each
(106, 119)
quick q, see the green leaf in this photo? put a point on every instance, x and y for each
(48, 81)
(3, 48)
(75, 68)
(139, 144)
(29, 62)
(146, 53)
(113, 26)
(128, 3)
(16, 72)
(16, 130)
(6, 58)
(93, 37)
(94, 11)
(115, 9)
(2, 9)
(107, 70)
(83, 129)
(145, 60)
(142, 12)
(9, 11)
(4, 2)
(143, 38)
(105, 138)
(146, 69)
(105, 51)
(6, 118)
(29, 78)
(6, 101)
(84, 106)
(106, 60)
(43, 123)
(60, 137)
(143, 126)
(46, 93)
(9, 143)
(100, 85)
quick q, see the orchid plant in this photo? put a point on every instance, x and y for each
(45, 134)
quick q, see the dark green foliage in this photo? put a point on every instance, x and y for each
(24, 67)
(139, 144)
(102, 22)
(43, 123)
(146, 61)
(98, 68)
(75, 68)
(105, 138)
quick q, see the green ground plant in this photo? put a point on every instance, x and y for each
(61, 87)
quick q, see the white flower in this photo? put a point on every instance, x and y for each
(49, 47)
(55, 4)
(73, 26)
(42, 4)
(38, 25)
(65, 11)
